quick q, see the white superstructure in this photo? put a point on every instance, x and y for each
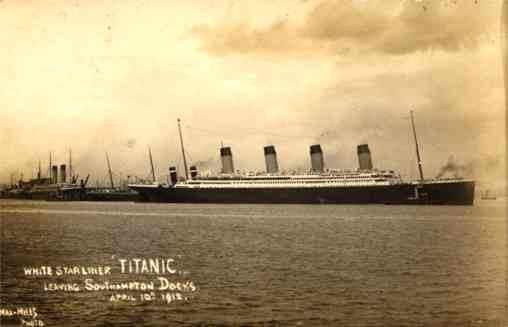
(328, 179)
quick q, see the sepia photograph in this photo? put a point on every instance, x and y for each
(253, 163)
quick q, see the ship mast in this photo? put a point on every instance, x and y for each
(109, 172)
(151, 164)
(70, 165)
(183, 151)
(420, 169)
(50, 175)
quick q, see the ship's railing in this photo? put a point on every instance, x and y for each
(442, 180)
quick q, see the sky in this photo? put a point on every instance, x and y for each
(114, 76)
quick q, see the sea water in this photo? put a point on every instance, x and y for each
(252, 265)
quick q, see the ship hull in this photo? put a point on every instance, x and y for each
(76, 194)
(442, 193)
(111, 196)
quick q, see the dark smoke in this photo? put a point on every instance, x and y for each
(455, 169)
(210, 163)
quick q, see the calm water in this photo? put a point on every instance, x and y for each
(253, 265)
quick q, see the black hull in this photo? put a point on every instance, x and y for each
(112, 196)
(56, 195)
(74, 195)
(443, 193)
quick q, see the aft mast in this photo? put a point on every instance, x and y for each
(420, 169)
(70, 167)
(109, 172)
(151, 164)
(50, 173)
(183, 151)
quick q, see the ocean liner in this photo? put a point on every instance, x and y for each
(365, 185)
(55, 187)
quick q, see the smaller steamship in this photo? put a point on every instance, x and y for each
(54, 187)
(366, 185)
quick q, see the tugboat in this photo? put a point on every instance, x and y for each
(112, 193)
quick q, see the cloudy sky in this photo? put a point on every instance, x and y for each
(114, 76)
